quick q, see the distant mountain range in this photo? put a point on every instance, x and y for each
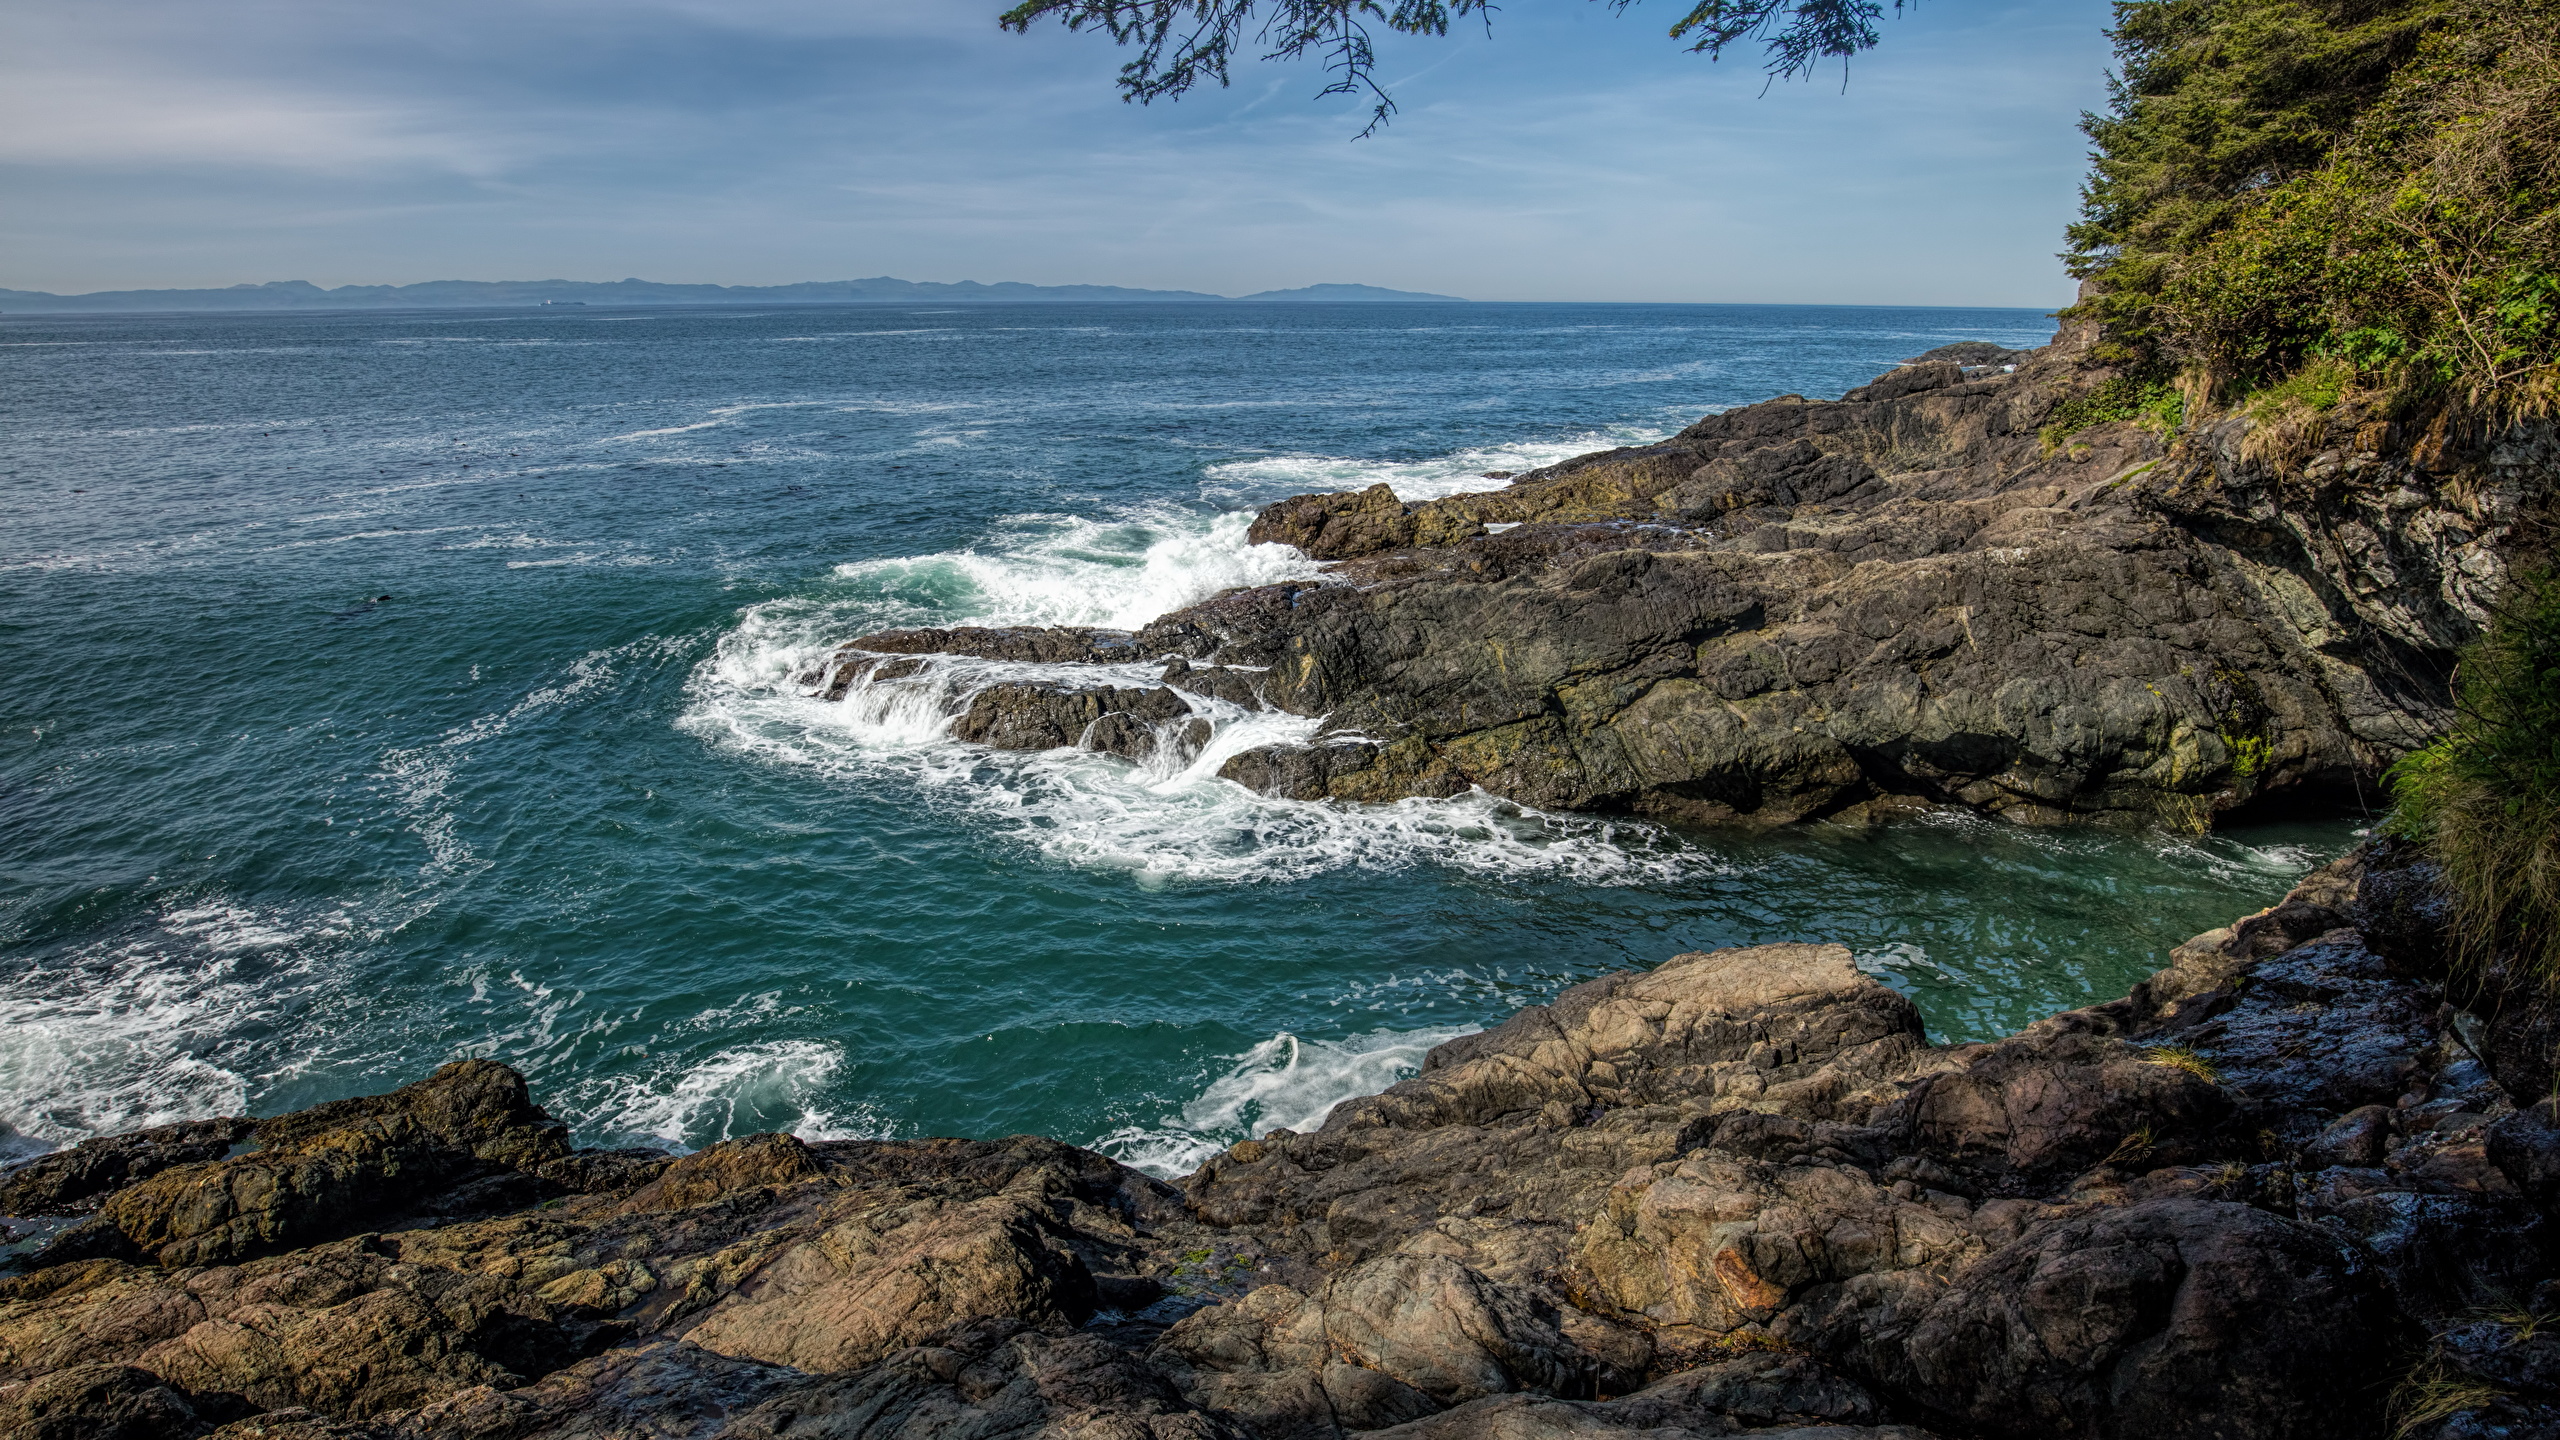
(303, 295)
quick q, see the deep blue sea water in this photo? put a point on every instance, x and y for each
(271, 838)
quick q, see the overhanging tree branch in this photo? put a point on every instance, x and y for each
(1797, 37)
(1184, 43)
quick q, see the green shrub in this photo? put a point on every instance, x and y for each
(2317, 387)
(2367, 184)
(2485, 799)
(2125, 397)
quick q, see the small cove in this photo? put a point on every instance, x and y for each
(393, 688)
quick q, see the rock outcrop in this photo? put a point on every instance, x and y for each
(468, 1139)
(2276, 1186)
(1802, 606)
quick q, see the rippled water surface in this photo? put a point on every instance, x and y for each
(383, 689)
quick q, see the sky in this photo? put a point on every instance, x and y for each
(1572, 154)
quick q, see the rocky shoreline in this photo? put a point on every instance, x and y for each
(1921, 593)
(2297, 1174)
(2297, 1184)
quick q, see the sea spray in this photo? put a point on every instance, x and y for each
(1482, 467)
(743, 1089)
(157, 1023)
(1070, 570)
(1167, 818)
(1285, 1082)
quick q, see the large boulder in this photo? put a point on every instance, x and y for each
(1788, 1028)
(100, 1402)
(1122, 721)
(1341, 526)
(73, 1181)
(2056, 1104)
(999, 1378)
(884, 1279)
(1718, 1243)
(334, 1169)
(2161, 1321)
(1453, 1334)
(1266, 1364)
(730, 1165)
(1535, 1119)
(339, 1329)
(658, 1389)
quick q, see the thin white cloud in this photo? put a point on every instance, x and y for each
(1573, 155)
(136, 120)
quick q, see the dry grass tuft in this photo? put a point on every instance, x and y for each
(2179, 1057)
(2433, 1393)
(2132, 1149)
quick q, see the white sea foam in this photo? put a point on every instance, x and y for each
(1283, 1083)
(517, 541)
(534, 1028)
(1900, 960)
(1167, 820)
(1215, 830)
(366, 535)
(147, 1028)
(2219, 858)
(1069, 570)
(717, 416)
(1494, 989)
(583, 557)
(856, 335)
(1266, 478)
(739, 1090)
(2232, 860)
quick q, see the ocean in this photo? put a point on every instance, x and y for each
(389, 688)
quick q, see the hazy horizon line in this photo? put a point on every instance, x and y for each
(883, 290)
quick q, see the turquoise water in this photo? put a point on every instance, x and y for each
(271, 838)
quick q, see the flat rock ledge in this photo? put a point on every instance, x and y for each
(2296, 1185)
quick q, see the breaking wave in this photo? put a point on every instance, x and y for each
(1171, 818)
(1283, 1083)
(1168, 818)
(1267, 478)
(742, 1090)
(1069, 570)
(161, 1023)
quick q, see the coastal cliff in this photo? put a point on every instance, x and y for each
(2289, 1182)
(1933, 590)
